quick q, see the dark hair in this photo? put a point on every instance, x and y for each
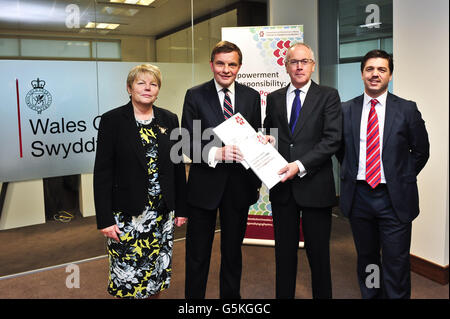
(378, 54)
(226, 47)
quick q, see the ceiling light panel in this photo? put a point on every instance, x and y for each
(134, 2)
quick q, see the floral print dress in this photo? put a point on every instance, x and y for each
(141, 263)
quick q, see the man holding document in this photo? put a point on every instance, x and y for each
(217, 179)
(309, 122)
(385, 146)
(261, 157)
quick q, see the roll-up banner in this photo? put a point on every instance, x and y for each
(263, 49)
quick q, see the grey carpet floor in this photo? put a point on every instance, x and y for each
(34, 264)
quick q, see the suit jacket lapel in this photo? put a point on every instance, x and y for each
(214, 103)
(307, 107)
(237, 98)
(133, 134)
(355, 122)
(281, 112)
(389, 117)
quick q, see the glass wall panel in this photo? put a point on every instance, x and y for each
(362, 26)
(354, 27)
(209, 19)
(106, 50)
(354, 49)
(55, 48)
(348, 29)
(66, 62)
(386, 45)
(9, 47)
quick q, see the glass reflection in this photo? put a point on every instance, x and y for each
(91, 44)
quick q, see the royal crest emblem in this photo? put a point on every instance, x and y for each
(38, 98)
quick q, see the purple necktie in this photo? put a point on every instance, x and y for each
(296, 106)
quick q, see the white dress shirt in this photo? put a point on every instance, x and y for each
(290, 95)
(221, 94)
(380, 108)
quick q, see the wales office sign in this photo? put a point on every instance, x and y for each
(49, 118)
(39, 99)
(63, 149)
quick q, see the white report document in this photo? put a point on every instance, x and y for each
(263, 159)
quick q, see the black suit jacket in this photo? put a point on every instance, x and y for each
(316, 138)
(405, 152)
(202, 111)
(120, 170)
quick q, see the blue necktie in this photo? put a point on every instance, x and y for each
(296, 106)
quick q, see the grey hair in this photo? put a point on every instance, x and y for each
(300, 44)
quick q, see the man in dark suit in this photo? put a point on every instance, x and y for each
(385, 147)
(216, 180)
(308, 119)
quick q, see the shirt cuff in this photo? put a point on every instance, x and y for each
(212, 162)
(301, 169)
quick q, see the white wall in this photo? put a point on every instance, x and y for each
(177, 47)
(298, 12)
(421, 33)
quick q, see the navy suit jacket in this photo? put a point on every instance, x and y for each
(202, 111)
(316, 138)
(405, 152)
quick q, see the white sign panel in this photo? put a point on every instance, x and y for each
(49, 111)
(50, 115)
(263, 49)
(47, 118)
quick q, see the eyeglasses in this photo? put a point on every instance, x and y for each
(302, 62)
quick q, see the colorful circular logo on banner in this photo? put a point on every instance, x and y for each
(274, 43)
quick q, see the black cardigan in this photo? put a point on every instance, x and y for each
(120, 170)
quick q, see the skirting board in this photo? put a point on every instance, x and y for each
(429, 269)
(266, 242)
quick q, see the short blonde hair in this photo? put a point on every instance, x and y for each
(144, 68)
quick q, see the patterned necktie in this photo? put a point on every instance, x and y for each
(373, 161)
(227, 107)
(295, 111)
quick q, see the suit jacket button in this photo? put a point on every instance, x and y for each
(291, 145)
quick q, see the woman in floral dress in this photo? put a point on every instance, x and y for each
(139, 190)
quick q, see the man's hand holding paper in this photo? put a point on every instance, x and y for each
(229, 153)
(261, 156)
